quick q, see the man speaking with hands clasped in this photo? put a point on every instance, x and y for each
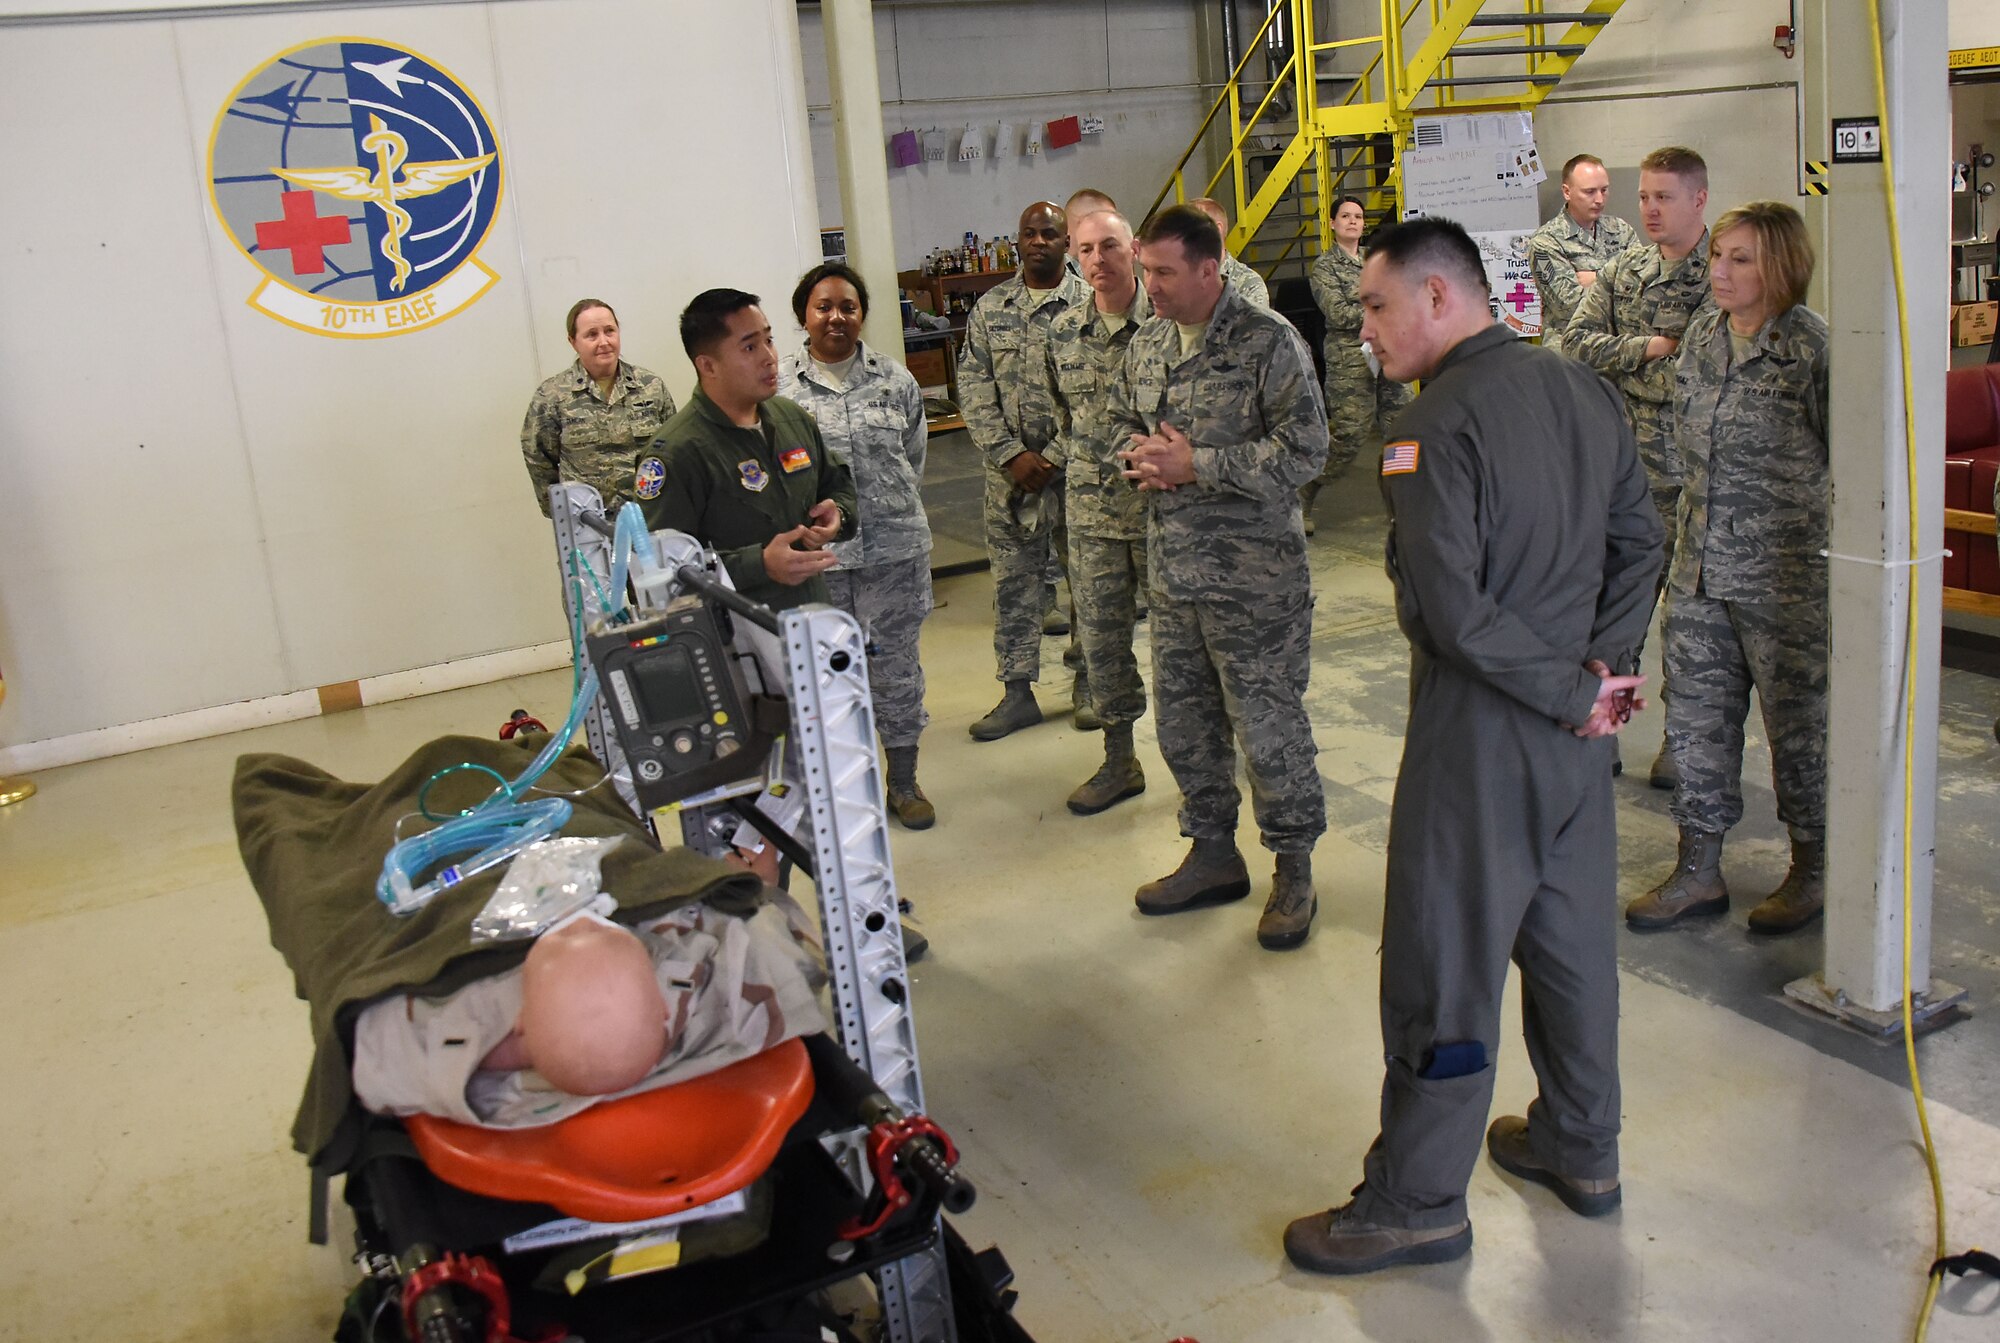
(1222, 412)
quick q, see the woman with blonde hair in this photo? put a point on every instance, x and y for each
(1747, 594)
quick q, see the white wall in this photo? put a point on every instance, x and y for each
(1131, 62)
(1973, 23)
(199, 505)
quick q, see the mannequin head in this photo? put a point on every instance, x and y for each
(592, 1017)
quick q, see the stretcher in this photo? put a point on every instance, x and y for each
(789, 1172)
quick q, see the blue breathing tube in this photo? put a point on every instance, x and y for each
(503, 825)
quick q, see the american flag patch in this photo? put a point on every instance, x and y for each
(1399, 459)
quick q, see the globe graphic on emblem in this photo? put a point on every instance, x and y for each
(355, 172)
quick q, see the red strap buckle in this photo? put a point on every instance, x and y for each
(885, 1142)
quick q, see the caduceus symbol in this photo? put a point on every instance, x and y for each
(383, 189)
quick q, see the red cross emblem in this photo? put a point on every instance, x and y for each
(1521, 297)
(304, 232)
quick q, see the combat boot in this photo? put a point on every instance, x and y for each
(1083, 712)
(1017, 709)
(1666, 771)
(1118, 778)
(1695, 888)
(1801, 897)
(1308, 494)
(1212, 874)
(1288, 915)
(906, 799)
(1055, 620)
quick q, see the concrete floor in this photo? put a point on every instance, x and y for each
(1144, 1103)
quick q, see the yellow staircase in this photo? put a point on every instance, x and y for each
(1306, 144)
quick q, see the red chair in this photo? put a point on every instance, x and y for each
(1972, 462)
(642, 1156)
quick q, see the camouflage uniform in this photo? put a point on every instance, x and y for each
(1747, 598)
(1245, 280)
(876, 421)
(1106, 515)
(1003, 393)
(1360, 402)
(1561, 248)
(572, 432)
(1639, 295)
(1228, 586)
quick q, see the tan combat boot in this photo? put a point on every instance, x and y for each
(1017, 709)
(1288, 915)
(1083, 712)
(1118, 778)
(1212, 874)
(1695, 888)
(906, 799)
(1308, 494)
(1801, 897)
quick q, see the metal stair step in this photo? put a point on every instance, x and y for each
(1527, 49)
(1495, 79)
(1547, 19)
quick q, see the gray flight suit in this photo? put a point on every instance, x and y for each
(1003, 392)
(1747, 598)
(1523, 543)
(1228, 585)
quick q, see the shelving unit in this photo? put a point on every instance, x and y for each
(933, 293)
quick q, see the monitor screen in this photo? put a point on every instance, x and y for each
(668, 691)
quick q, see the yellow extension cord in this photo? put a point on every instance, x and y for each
(1933, 1280)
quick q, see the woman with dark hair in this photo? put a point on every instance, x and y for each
(1747, 593)
(1359, 401)
(871, 412)
(588, 422)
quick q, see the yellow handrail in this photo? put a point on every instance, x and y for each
(1222, 99)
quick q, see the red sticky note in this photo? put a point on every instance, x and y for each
(1064, 131)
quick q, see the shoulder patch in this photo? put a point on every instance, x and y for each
(650, 478)
(1399, 459)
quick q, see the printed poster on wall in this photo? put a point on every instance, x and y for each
(1515, 301)
(360, 178)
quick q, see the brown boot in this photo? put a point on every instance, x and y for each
(907, 800)
(1212, 874)
(1507, 1144)
(1083, 712)
(1118, 778)
(1695, 888)
(1288, 915)
(1801, 898)
(1666, 772)
(1017, 709)
(1341, 1241)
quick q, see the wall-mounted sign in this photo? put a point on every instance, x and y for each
(1857, 140)
(361, 179)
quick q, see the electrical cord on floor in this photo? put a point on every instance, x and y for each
(1942, 1261)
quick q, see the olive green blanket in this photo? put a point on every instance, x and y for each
(313, 845)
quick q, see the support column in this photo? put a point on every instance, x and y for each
(862, 153)
(1871, 586)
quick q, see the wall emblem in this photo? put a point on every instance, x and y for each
(361, 179)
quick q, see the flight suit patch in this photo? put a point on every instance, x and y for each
(755, 477)
(650, 478)
(1400, 459)
(794, 459)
